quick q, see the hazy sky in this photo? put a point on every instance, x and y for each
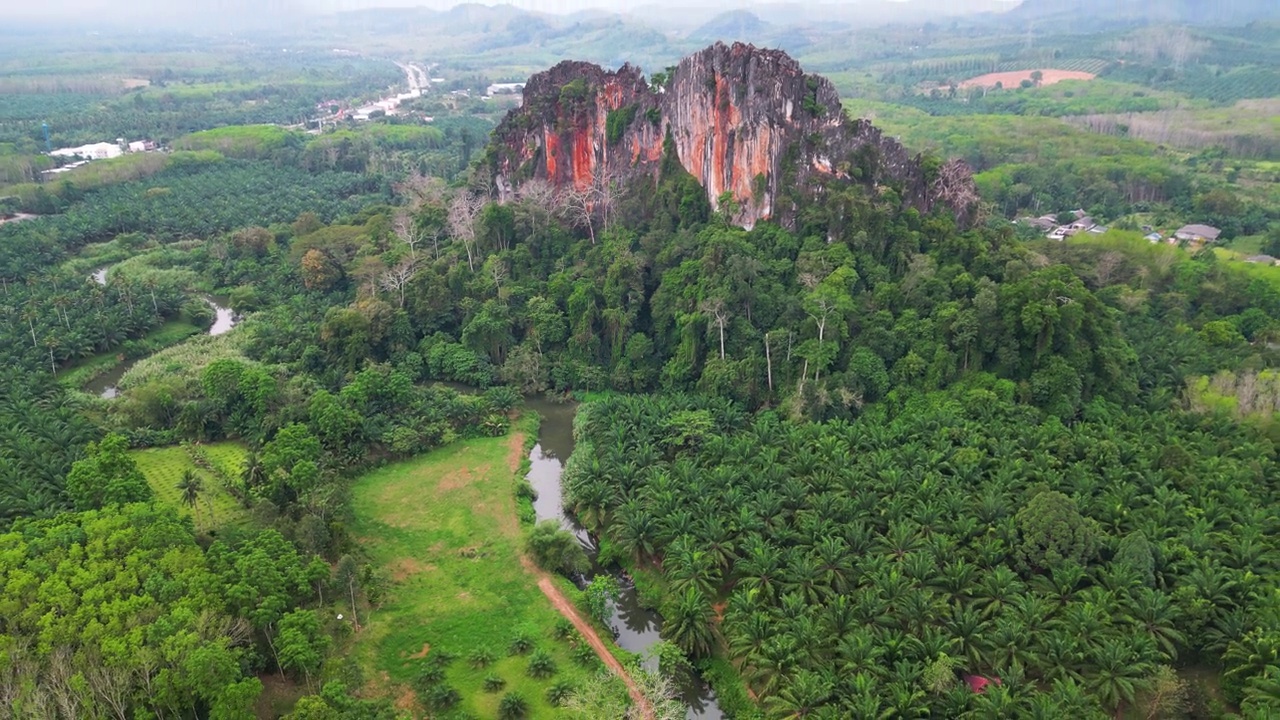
(128, 10)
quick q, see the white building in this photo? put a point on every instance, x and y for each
(96, 151)
(504, 89)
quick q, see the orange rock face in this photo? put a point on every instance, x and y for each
(734, 113)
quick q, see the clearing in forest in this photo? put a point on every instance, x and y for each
(442, 529)
(1014, 78)
(215, 506)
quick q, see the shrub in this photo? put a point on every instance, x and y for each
(513, 707)
(617, 122)
(521, 644)
(563, 629)
(585, 656)
(442, 697)
(493, 683)
(555, 548)
(560, 693)
(541, 665)
(429, 675)
(503, 398)
(481, 657)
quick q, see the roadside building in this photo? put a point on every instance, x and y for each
(95, 151)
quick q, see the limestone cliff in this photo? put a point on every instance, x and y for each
(744, 121)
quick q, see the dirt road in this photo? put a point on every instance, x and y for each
(566, 608)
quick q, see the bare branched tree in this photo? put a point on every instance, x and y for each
(768, 359)
(110, 686)
(715, 310)
(409, 232)
(605, 187)
(419, 190)
(464, 217)
(498, 273)
(396, 278)
(579, 209)
(58, 679)
(591, 205)
(540, 197)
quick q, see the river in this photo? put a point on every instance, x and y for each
(105, 385)
(637, 629)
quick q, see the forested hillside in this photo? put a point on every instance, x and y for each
(877, 456)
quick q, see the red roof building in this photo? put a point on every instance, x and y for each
(979, 684)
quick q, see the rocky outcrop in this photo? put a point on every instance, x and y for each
(748, 123)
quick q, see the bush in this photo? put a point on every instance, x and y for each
(585, 656)
(493, 683)
(563, 629)
(541, 665)
(481, 657)
(560, 693)
(556, 549)
(442, 697)
(430, 675)
(503, 398)
(602, 590)
(521, 644)
(454, 362)
(513, 707)
(617, 122)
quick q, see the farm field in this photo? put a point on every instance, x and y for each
(163, 468)
(442, 529)
(1013, 78)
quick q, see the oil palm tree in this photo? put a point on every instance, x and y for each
(800, 696)
(1117, 674)
(191, 486)
(689, 623)
(1156, 616)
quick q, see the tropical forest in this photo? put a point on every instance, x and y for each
(876, 361)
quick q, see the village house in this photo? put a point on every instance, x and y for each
(1044, 223)
(1083, 223)
(1197, 233)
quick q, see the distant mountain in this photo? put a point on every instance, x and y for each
(733, 25)
(1190, 12)
(830, 16)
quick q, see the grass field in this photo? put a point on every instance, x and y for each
(164, 466)
(442, 528)
(1247, 245)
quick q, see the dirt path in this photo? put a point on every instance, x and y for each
(566, 608)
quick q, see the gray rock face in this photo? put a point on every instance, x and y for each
(744, 121)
